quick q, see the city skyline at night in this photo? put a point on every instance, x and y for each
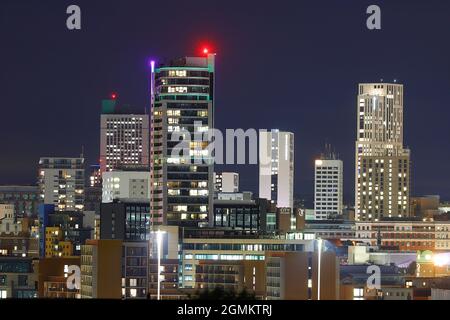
(294, 84)
(234, 157)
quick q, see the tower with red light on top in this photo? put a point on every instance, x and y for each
(183, 100)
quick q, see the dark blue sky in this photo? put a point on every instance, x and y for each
(292, 65)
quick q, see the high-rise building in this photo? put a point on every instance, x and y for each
(124, 136)
(61, 183)
(328, 188)
(382, 177)
(125, 184)
(276, 167)
(226, 182)
(182, 107)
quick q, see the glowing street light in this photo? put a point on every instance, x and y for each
(159, 241)
(319, 243)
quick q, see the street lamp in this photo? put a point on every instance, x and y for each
(319, 243)
(159, 241)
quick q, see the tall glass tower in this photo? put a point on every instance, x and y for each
(182, 109)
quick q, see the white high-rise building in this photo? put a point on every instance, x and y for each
(125, 184)
(61, 182)
(328, 188)
(276, 167)
(382, 165)
(227, 182)
(124, 137)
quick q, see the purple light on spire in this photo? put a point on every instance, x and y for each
(152, 65)
(152, 78)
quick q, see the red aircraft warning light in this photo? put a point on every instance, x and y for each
(114, 96)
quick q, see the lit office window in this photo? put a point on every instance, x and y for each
(358, 294)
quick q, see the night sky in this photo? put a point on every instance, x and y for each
(292, 65)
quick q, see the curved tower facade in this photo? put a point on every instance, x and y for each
(182, 110)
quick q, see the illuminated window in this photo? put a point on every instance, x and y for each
(202, 128)
(173, 113)
(173, 160)
(177, 73)
(173, 128)
(177, 89)
(198, 152)
(173, 192)
(172, 120)
(180, 208)
(198, 192)
(358, 294)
